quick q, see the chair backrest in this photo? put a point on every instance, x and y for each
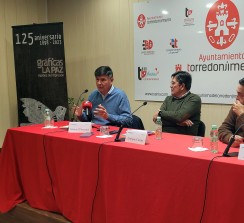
(201, 129)
(137, 123)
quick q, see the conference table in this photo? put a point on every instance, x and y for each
(97, 180)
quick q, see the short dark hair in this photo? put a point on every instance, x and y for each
(183, 77)
(104, 70)
(241, 82)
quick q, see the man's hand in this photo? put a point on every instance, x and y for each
(238, 141)
(101, 112)
(238, 108)
(77, 109)
(155, 116)
(187, 122)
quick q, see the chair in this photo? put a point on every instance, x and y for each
(201, 129)
(137, 123)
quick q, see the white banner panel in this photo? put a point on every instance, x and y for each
(205, 40)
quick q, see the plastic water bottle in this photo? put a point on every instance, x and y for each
(214, 139)
(47, 118)
(158, 131)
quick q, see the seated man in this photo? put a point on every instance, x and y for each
(234, 119)
(180, 112)
(110, 105)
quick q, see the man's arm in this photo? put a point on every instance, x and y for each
(229, 126)
(227, 129)
(185, 111)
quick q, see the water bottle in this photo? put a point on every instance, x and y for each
(47, 118)
(214, 139)
(158, 131)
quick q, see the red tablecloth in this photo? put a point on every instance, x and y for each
(98, 180)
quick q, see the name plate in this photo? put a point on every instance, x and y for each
(241, 152)
(136, 136)
(80, 127)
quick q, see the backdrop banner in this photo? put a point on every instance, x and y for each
(203, 38)
(40, 72)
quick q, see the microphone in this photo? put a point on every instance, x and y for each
(232, 139)
(87, 105)
(85, 91)
(117, 139)
(144, 103)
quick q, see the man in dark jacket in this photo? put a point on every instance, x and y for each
(180, 112)
(234, 119)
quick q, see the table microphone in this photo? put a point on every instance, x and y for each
(117, 139)
(72, 119)
(232, 139)
(87, 105)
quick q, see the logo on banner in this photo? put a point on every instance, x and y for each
(141, 21)
(147, 46)
(50, 67)
(34, 111)
(174, 44)
(188, 21)
(222, 24)
(178, 67)
(188, 12)
(144, 74)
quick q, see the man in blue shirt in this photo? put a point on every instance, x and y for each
(110, 105)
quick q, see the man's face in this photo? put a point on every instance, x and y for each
(104, 83)
(240, 93)
(177, 90)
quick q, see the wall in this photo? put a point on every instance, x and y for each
(12, 13)
(101, 33)
(96, 32)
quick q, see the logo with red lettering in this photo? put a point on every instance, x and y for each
(147, 44)
(222, 24)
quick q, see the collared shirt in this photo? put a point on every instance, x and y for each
(182, 95)
(110, 91)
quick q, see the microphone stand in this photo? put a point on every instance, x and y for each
(144, 103)
(117, 139)
(225, 154)
(73, 115)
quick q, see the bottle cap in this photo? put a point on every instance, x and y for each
(214, 127)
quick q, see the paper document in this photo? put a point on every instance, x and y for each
(198, 149)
